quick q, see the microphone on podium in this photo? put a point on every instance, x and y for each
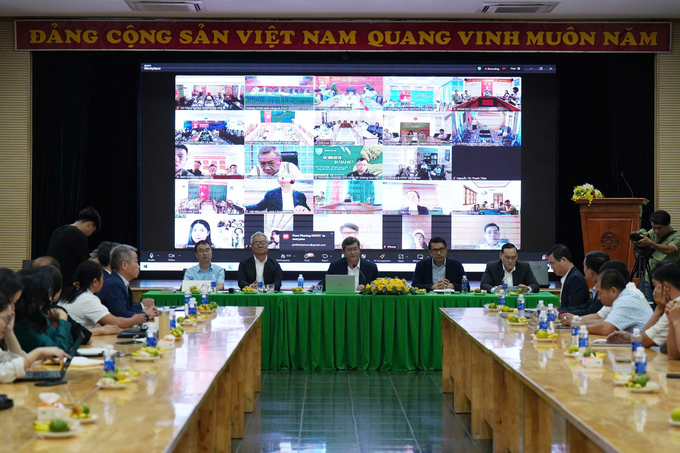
(631, 190)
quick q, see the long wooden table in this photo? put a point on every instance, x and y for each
(340, 332)
(528, 396)
(191, 400)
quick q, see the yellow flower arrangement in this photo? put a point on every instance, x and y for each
(586, 192)
(389, 286)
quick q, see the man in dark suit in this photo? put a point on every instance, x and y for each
(363, 270)
(282, 199)
(515, 273)
(575, 290)
(591, 269)
(259, 267)
(438, 272)
(116, 294)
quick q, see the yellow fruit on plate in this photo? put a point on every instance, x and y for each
(542, 334)
(120, 375)
(600, 355)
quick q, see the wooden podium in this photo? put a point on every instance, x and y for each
(607, 224)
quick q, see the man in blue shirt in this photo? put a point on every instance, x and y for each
(628, 310)
(205, 270)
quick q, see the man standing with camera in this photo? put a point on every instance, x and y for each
(661, 243)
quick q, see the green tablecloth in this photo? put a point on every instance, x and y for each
(339, 332)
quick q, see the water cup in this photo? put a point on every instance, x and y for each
(318, 289)
(270, 288)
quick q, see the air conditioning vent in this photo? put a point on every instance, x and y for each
(517, 8)
(166, 6)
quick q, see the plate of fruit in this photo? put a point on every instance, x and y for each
(514, 319)
(147, 354)
(177, 332)
(641, 384)
(541, 335)
(81, 411)
(491, 307)
(56, 429)
(115, 380)
(248, 289)
(207, 308)
(187, 322)
(478, 291)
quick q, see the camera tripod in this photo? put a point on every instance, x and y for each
(641, 266)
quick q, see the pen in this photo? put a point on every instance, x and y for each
(673, 376)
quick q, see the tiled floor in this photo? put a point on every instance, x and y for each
(355, 411)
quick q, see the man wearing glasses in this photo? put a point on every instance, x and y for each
(575, 291)
(515, 273)
(205, 270)
(438, 272)
(270, 165)
(352, 263)
(259, 267)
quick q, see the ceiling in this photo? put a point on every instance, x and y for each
(349, 9)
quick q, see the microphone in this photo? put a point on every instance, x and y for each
(631, 190)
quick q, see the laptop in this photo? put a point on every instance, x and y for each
(540, 270)
(200, 284)
(54, 375)
(340, 284)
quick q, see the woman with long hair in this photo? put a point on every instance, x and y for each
(34, 329)
(84, 306)
(14, 361)
(199, 231)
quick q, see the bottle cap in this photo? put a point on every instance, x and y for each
(636, 331)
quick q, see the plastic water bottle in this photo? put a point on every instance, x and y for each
(151, 337)
(173, 321)
(640, 362)
(582, 339)
(187, 299)
(192, 306)
(540, 307)
(301, 281)
(204, 297)
(109, 359)
(551, 318)
(260, 286)
(464, 285)
(521, 305)
(543, 321)
(575, 324)
(635, 342)
(213, 285)
(501, 296)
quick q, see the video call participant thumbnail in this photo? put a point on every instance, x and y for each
(270, 165)
(205, 270)
(181, 153)
(283, 198)
(516, 273)
(492, 236)
(361, 171)
(438, 271)
(411, 206)
(363, 270)
(259, 267)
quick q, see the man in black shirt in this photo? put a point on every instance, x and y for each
(68, 243)
(361, 170)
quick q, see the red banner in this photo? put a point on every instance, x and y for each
(344, 36)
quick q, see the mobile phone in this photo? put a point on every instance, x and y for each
(622, 359)
(673, 376)
(49, 383)
(127, 342)
(563, 327)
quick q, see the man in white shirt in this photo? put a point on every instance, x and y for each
(628, 310)
(655, 332)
